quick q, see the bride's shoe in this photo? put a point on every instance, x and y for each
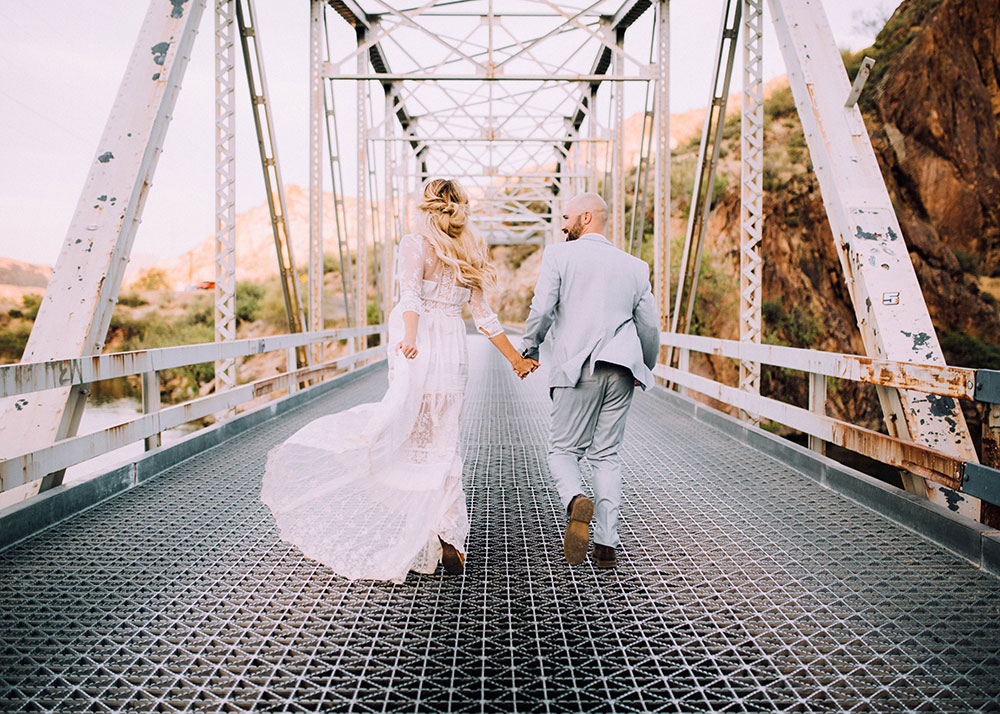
(452, 560)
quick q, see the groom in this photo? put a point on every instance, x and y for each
(605, 334)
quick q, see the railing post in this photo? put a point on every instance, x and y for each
(290, 366)
(151, 405)
(683, 360)
(991, 457)
(817, 404)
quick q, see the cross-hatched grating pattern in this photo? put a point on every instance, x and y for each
(741, 586)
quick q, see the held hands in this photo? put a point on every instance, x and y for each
(408, 346)
(523, 366)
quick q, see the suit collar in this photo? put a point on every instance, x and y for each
(595, 237)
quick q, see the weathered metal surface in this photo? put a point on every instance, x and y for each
(28, 466)
(991, 457)
(708, 161)
(935, 465)
(982, 481)
(361, 187)
(939, 380)
(617, 218)
(988, 386)
(643, 76)
(661, 165)
(316, 125)
(338, 188)
(267, 145)
(859, 81)
(151, 405)
(18, 379)
(890, 308)
(494, 100)
(817, 405)
(741, 586)
(225, 186)
(751, 188)
(75, 313)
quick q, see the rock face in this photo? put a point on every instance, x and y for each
(933, 113)
(939, 103)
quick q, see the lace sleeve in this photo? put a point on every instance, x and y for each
(410, 270)
(486, 319)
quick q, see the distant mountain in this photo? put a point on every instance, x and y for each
(256, 258)
(23, 275)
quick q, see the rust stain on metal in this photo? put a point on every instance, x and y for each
(928, 463)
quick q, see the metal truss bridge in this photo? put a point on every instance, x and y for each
(755, 574)
(743, 585)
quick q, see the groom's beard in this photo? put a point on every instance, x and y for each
(574, 231)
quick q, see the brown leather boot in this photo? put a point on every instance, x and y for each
(452, 560)
(604, 556)
(577, 536)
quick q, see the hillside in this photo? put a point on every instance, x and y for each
(932, 112)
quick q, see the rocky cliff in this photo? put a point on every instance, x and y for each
(932, 109)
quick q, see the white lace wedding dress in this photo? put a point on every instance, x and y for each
(368, 491)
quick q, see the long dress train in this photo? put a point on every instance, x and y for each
(369, 491)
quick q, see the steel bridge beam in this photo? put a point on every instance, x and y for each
(76, 311)
(627, 14)
(363, 23)
(888, 303)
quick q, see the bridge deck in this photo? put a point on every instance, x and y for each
(741, 586)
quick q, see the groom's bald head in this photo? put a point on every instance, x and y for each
(584, 213)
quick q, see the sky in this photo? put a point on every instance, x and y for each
(61, 62)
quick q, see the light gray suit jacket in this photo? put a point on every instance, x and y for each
(597, 302)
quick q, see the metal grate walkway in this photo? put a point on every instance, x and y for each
(741, 586)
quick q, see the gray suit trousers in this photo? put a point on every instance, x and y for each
(589, 420)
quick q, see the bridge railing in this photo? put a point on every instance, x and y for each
(25, 378)
(982, 385)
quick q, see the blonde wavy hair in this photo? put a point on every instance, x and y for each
(445, 218)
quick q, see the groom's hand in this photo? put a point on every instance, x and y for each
(525, 366)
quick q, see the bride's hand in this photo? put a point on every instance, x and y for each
(408, 348)
(525, 366)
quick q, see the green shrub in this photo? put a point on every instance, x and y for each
(248, 299)
(132, 300)
(779, 104)
(331, 264)
(964, 350)
(31, 303)
(151, 279)
(13, 339)
(519, 253)
(968, 261)
(793, 327)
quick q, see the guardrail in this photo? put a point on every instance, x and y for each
(17, 379)
(981, 481)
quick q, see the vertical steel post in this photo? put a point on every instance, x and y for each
(991, 458)
(593, 132)
(253, 58)
(661, 164)
(225, 189)
(290, 366)
(361, 250)
(151, 392)
(751, 191)
(817, 405)
(316, 122)
(388, 207)
(618, 169)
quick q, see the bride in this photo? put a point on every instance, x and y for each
(376, 491)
